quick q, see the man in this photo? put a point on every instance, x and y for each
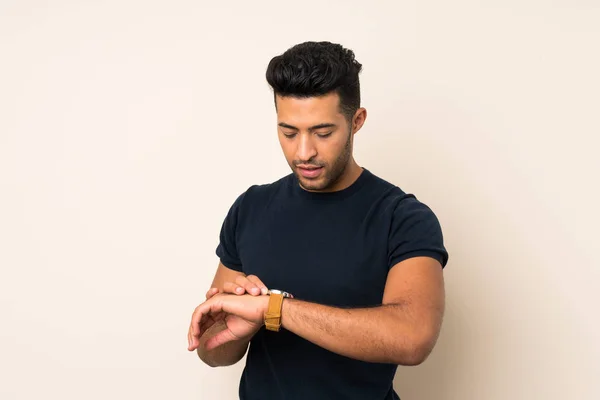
(361, 259)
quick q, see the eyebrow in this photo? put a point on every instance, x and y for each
(312, 128)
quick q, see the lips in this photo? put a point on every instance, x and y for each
(310, 171)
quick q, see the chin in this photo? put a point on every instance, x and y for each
(312, 187)
(314, 184)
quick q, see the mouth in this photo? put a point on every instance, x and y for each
(309, 171)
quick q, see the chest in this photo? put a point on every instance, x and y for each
(323, 256)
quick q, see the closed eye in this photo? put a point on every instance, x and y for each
(324, 135)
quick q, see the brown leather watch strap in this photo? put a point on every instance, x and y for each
(273, 314)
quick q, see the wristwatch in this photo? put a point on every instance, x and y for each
(273, 314)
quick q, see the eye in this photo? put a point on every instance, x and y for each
(289, 135)
(324, 135)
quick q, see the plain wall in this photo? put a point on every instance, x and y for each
(127, 129)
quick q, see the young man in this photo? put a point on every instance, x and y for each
(361, 259)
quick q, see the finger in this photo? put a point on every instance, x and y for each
(203, 319)
(206, 318)
(230, 287)
(204, 325)
(211, 320)
(192, 342)
(248, 285)
(196, 331)
(197, 317)
(219, 339)
(254, 279)
(191, 338)
(211, 292)
(208, 323)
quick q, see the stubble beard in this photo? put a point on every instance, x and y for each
(332, 173)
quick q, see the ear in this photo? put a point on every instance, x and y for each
(359, 119)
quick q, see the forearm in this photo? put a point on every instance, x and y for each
(224, 355)
(382, 334)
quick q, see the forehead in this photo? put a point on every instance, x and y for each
(308, 111)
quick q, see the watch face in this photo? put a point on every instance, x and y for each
(281, 292)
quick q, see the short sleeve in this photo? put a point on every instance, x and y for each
(415, 232)
(227, 250)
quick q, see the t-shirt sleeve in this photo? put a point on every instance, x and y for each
(415, 232)
(227, 250)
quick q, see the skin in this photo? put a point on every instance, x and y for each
(403, 330)
(313, 132)
(227, 281)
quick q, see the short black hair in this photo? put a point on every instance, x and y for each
(312, 69)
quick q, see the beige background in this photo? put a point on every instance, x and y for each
(127, 128)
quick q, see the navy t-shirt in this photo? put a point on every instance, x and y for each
(329, 248)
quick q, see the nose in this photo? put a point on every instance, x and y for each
(306, 149)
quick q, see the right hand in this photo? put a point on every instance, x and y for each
(239, 328)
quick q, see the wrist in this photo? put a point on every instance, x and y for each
(273, 314)
(285, 311)
(264, 307)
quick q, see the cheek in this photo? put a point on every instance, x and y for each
(332, 149)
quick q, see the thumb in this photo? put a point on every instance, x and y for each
(219, 339)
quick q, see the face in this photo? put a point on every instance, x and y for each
(317, 139)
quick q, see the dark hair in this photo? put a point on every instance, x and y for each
(315, 69)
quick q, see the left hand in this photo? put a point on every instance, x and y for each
(250, 284)
(246, 316)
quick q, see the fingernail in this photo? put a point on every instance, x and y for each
(264, 291)
(256, 290)
(239, 290)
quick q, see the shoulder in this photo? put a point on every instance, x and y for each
(396, 199)
(391, 197)
(414, 227)
(407, 212)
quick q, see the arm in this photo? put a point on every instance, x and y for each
(224, 355)
(403, 330)
(231, 352)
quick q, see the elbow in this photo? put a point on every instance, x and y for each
(416, 350)
(213, 362)
(415, 357)
(216, 359)
(205, 358)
